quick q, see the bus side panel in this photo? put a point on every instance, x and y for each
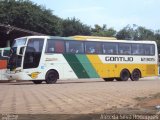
(64, 64)
(109, 70)
(99, 67)
(145, 69)
(90, 70)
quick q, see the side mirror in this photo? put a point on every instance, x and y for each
(20, 50)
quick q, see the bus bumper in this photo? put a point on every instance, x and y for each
(17, 76)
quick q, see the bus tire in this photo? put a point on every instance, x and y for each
(51, 77)
(108, 79)
(136, 75)
(37, 81)
(124, 75)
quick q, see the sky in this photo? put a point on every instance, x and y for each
(114, 13)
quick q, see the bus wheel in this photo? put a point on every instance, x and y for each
(51, 77)
(108, 79)
(136, 74)
(37, 81)
(124, 76)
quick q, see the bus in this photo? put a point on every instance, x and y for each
(4, 54)
(49, 58)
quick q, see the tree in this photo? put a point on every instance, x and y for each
(139, 33)
(75, 27)
(103, 31)
(28, 15)
(127, 33)
(145, 34)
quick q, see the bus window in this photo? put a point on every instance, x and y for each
(124, 48)
(6, 53)
(137, 49)
(59, 47)
(110, 48)
(93, 48)
(55, 46)
(50, 46)
(0, 54)
(74, 47)
(149, 49)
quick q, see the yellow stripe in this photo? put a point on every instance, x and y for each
(92, 37)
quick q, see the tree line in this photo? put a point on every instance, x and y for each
(31, 16)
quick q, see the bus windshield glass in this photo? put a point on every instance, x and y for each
(19, 42)
(15, 60)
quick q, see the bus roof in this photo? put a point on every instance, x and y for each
(5, 48)
(91, 38)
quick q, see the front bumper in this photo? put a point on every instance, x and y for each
(17, 76)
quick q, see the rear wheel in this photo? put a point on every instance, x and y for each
(108, 79)
(37, 81)
(136, 74)
(51, 77)
(124, 76)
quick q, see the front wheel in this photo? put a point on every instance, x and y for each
(51, 77)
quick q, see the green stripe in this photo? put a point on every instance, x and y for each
(76, 65)
(87, 66)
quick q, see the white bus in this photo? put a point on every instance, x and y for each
(47, 58)
(4, 54)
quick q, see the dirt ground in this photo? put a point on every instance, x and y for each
(79, 99)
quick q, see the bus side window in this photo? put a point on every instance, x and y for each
(153, 49)
(75, 47)
(137, 49)
(110, 48)
(93, 48)
(124, 48)
(0, 54)
(149, 49)
(59, 46)
(6, 53)
(50, 46)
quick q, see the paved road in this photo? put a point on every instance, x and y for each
(73, 96)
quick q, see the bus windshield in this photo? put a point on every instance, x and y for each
(15, 60)
(19, 42)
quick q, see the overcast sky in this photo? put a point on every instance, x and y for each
(114, 13)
